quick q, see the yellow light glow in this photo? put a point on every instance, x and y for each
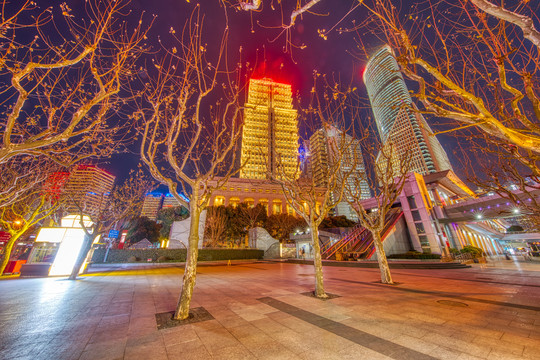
(51, 235)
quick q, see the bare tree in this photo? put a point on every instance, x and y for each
(280, 226)
(216, 219)
(29, 209)
(251, 216)
(312, 198)
(479, 71)
(124, 202)
(390, 169)
(59, 97)
(189, 137)
(476, 64)
(255, 5)
(20, 175)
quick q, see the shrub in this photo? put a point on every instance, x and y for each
(473, 250)
(162, 259)
(132, 259)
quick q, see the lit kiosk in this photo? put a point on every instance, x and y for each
(56, 249)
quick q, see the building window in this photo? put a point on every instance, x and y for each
(219, 201)
(234, 201)
(290, 210)
(412, 202)
(276, 207)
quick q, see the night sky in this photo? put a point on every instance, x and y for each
(264, 46)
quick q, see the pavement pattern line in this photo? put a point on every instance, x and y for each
(445, 294)
(372, 342)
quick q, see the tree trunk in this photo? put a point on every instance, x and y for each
(7, 254)
(386, 277)
(190, 270)
(87, 244)
(317, 262)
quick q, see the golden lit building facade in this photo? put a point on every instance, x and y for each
(257, 191)
(270, 133)
(151, 205)
(88, 188)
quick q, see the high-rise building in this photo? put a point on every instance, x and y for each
(151, 205)
(324, 146)
(270, 133)
(87, 189)
(170, 201)
(397, 122)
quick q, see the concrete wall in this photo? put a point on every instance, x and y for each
(397, 242)
(260, 239)
(178, 238)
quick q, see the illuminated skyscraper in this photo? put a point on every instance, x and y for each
(169, 201)
(87, 189)
(323, 147)
(396, 121)
(270, 133)
(151, 205)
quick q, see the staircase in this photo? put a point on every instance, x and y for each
(360, 240)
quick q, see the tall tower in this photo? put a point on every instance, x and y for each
(151, 205)
(88, 186)
(270, 133)
(396, 121)
(322, 155)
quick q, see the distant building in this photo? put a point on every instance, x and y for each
(397, 122)
(322, 155)
(87, 189)
(270, 132)
(170, 201)
(151, 205)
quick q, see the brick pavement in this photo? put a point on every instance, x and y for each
(260, 313)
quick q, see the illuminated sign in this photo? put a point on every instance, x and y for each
(113, 234)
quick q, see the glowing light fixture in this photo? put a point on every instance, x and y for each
(67, 254)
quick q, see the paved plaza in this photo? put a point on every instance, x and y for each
(260, 311)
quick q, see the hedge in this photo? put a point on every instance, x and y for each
(173, 255)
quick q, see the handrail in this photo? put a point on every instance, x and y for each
(367, 243)
(340, 243)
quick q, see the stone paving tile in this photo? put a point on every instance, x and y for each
(112, 315)
(190, 350)
(112, 349)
